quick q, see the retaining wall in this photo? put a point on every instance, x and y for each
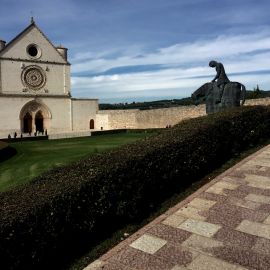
(159, 118)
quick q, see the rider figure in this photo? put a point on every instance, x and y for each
(221, 77)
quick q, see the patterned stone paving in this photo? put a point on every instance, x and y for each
(223, 225)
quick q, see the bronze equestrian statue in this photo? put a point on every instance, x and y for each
(220, 93)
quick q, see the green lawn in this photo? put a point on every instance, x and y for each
(35, 157)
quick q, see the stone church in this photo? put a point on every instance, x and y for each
(35, 90)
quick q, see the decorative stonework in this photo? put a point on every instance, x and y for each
(33, 77)
(32, 107)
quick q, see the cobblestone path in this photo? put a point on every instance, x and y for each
(224, 225)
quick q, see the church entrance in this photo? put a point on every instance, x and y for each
(27, 123)
(39, 122)
(35, 116)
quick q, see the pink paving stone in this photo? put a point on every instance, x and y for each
(126, 256)
(227, 209)
(264, 208)
(254, 190)
(175, 254)
(263, 171)
(230, 236)
(228, 220)
(234, 180)
(243, 203)
(237, 174)
(112, 266)
(212, 197)
(244, 257)
(114, 250)
(169, 233)
(236, 193)
(151, 262)
(231, 216)
(248, 169)
(262, 246)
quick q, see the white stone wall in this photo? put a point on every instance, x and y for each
(102, 122)
(11, 108)
(83, 110)
(257, 101)
(156, 118)
(57, 78)
(61, 114)
(119, 119)
(160, 118)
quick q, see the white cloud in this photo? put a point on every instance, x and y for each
(242, 53)
(223, 47)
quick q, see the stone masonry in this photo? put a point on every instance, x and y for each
(158, 118)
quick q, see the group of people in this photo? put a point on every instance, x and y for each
(37, 133)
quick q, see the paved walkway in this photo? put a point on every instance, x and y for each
(224, 225)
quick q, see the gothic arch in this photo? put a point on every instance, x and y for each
(39, 114)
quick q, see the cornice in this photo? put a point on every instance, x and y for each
(84, 99)
(2, 95)
(34, 61)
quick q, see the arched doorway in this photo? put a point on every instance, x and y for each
(38, 115)
(39, 122)
(92, 124)
(27, 123)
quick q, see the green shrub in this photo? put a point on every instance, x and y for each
(68, 206)
(3, 145)
(6, 151)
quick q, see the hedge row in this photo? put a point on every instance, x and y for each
(66, 207)
(3, 145)
(6, 151)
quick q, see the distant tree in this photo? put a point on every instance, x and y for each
(258, 90)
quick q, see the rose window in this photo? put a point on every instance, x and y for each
(33, 77)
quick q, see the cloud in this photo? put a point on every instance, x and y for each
(226, 48)
(181, 66)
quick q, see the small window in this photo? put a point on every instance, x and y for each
(33, 51)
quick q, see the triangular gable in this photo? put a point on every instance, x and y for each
(17, 48)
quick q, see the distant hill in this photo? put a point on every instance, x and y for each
(251, 94)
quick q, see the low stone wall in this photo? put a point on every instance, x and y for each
(158, 118)
(155, 118)
(258, 101)
(69, 135)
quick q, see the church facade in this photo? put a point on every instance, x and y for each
(35, 88)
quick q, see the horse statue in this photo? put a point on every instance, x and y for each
(210, 93)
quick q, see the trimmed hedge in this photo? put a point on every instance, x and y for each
(6, 151)
(68, 206)
(3, 145)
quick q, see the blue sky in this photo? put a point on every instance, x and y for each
(129, 50)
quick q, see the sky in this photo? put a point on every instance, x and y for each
(141, 50)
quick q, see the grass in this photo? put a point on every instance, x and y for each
(109, 241)
(36, 157)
